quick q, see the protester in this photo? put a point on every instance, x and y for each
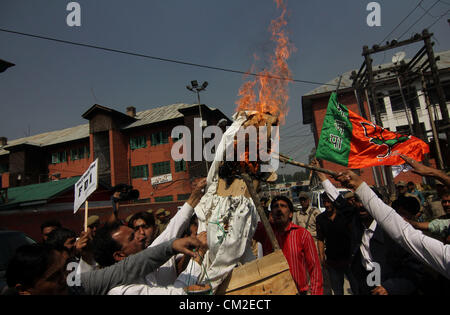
(297, 245)
(428, 250)
(438, 227)
(47, 227)
(306, 215)
(62, 239)
(93, 223)
(162, 219)
(400, 273)
(402, 188)
(413, 190)
(119, 246)
(144, 223)
(333, 241)
(38, 269)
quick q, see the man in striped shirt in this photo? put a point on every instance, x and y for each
(297, 245)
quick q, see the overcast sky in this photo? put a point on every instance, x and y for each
(53, 84)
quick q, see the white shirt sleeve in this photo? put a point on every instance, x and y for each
(187, 277)
(143, 289)
(176, 226)
(427, 249)
(84, 266)
(331, 191)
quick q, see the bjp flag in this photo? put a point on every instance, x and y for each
(350, 140)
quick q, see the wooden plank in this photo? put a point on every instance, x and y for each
(281, 284)
(236, 189)
(268, 273)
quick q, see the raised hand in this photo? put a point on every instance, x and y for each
(197, 193)
(424, 170)
(349, 179)
(187, 245)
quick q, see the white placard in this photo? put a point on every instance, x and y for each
(161, 179)
(86, 185)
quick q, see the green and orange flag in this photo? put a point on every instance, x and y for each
(350, 140)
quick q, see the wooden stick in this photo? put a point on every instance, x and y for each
(85, 215)
(288, 160)
(262, 214)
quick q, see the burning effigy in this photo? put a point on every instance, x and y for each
(227, 211)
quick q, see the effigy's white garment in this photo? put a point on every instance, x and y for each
(230, 222)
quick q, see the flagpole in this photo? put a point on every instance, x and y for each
(288, 160)
(85, 215)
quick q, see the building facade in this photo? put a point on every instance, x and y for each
(132, 148)
(392, 112)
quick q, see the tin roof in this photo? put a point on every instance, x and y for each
(143, 118)
(159, 114)
(50, 138)
(37, 193)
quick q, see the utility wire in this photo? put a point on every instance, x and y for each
(421, 17)
(163, 59)
(395, 28)
(440, 17)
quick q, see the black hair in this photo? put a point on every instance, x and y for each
(324, 197)
(104, 245)
(284, 198)
(409, 204)
(58, 237)
(148, 218)
(410, 183)
(28, 264)
(48, 223)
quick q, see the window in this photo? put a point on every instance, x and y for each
(411, 98)
(138, 142)
(59, 157)
(161, 168)
(79, 153)
(140, 171)
(434, 99)
(182, 197)
(161, 137)
(180, 166)
(381, 106)
(164, 199)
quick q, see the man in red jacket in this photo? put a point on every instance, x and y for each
(297, 245)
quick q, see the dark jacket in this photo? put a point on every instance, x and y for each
(401, 273)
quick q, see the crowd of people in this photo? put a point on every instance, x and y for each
(382, 246)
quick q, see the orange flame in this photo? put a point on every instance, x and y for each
(268, 93)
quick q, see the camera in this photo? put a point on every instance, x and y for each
(124, 192)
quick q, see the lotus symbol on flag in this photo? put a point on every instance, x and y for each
(375, 134)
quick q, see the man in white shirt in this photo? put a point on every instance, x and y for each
(428, 250)
(165, 279)
(379, 266)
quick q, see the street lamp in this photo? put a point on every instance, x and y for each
(194, 87)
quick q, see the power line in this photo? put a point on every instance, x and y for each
(421, 17)
(440, 17)
(162, 59)
(395, 28)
